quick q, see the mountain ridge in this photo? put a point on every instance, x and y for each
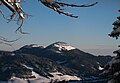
(73, 58)
(23, 65)
(58, 61)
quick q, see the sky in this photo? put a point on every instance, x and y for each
(89, 32)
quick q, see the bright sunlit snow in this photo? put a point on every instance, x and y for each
(64, 47)
(100, 68)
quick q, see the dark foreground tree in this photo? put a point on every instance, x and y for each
(116, 29)
(112, 69)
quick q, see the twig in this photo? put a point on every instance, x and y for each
(5, 43)
(9, 41)
(5, 40)
(74, 5)
(67, 14)
(3, 15)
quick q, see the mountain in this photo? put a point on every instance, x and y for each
(19, 66)
(66, 55)
(60, 47)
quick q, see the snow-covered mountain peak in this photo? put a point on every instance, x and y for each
(63, 46)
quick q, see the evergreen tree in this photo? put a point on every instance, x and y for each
(112, 69)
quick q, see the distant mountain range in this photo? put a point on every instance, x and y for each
(56, 60)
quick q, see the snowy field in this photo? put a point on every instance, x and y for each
(40, 79)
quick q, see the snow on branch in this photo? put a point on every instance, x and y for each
(19, 15)
(116, 29)
(59, 6)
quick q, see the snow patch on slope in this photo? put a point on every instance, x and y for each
(56, 76)
(100, 68)
(28, 67)
(59, 76)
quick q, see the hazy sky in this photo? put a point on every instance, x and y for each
(89, 32)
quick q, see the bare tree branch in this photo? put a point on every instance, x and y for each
(74, 5)
(66, 13)
(58, 6)
(18, 13)
(5, 41)
(9, 41)
(3, 14)
(9, 6)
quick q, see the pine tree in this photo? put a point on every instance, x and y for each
(112, 69)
